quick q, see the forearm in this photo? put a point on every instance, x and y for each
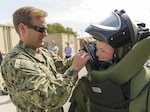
(63, 65)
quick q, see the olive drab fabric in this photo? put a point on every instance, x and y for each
(33, 80)
(136, 58)
(130, 68)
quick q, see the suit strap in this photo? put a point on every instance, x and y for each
(147, 85)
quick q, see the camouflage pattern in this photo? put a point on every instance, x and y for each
(37, 82)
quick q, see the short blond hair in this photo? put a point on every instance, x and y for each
(25, 14)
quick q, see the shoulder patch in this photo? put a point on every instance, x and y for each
(19, 63)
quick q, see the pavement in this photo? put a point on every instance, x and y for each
(6, 104)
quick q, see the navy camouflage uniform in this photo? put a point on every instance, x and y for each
(37, 82)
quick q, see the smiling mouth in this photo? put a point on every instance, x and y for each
(100, 59)
(41, 40)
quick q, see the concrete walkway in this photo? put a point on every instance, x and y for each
(7, 106)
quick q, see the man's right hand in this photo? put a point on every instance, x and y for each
(80, 59)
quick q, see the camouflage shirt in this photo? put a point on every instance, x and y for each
(37, 82)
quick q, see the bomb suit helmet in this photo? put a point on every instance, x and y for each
(116, 29)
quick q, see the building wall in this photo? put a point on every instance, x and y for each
(8, 38)
(61, 39)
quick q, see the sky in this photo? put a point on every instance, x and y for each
(78, 14)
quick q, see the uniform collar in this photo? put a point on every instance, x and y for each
(38, 55)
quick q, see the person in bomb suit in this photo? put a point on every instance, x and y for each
(126, 68)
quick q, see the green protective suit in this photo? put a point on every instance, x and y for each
(129, 68)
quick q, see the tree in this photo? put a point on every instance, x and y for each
(58, 28)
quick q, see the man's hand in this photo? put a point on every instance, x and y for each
(85, 40)
(80, 59)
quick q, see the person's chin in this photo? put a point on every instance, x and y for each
(102, 60)
(41, 44)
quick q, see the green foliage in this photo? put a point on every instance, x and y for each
(58, 28)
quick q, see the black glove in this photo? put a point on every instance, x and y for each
(91, 50)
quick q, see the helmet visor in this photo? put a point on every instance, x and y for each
(111, 22)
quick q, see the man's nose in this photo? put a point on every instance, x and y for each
(45, 33)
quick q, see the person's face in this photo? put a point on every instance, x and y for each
(53, 43)
(33, 38)
(68, 44)
(104, 51)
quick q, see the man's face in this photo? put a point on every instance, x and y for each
(35, 33)
(104, 51)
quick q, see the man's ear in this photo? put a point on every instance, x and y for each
(22, 28)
